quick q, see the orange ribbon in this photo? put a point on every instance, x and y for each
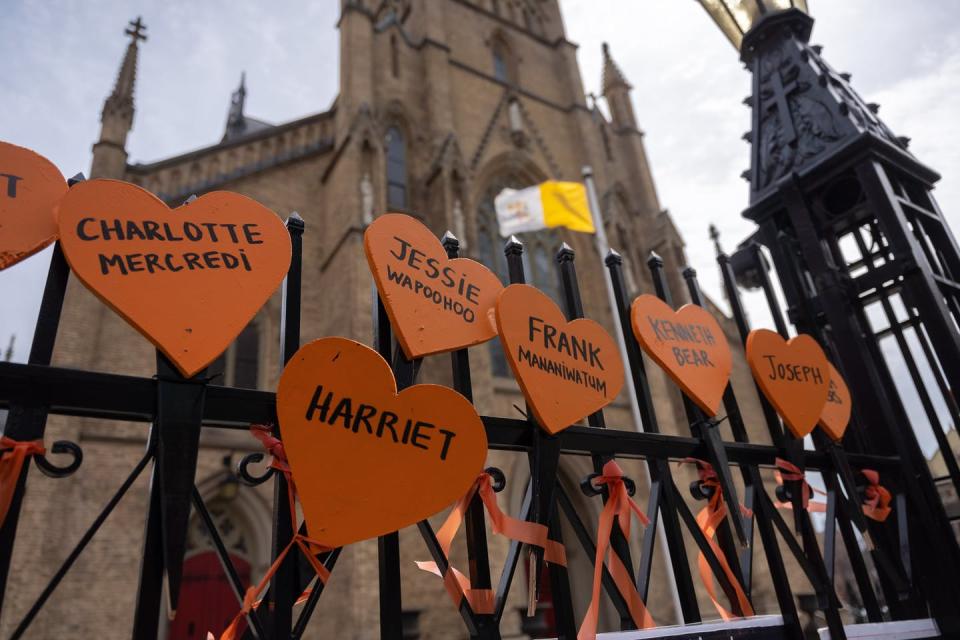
(789, 471)
(12, 456)
(876, 497)
(307, 546)
(620, 506)
(709, 520)
(531, 533)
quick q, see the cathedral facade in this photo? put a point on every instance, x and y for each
(442, 104)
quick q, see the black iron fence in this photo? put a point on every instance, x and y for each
(176, 409)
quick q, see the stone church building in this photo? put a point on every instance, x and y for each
(442, 104)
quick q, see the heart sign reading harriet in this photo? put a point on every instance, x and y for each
(368, 460)
(836, 412)
(794, 376)
(30, 188)
(189, 279)
(435, 303)
(688, 344)
(567, 370)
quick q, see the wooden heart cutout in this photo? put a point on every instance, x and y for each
(836, 412)
(435, 303)
(189, 279)
(366, 460)
(794, 376)
(688, 344)
(567, 370)
(30, 188)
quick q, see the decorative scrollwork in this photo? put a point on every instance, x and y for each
(591, 490)
(248, 478)
(51, 470)
(499, 479)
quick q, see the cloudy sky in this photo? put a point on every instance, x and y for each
(62, 57)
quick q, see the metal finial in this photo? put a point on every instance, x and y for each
(654, 260)
(566, 253)
(190, 199)
(450, 241)
(75, 179)
(513, 246)
(613, 257)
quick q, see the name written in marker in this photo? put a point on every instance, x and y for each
(793, 372)
(380, 423)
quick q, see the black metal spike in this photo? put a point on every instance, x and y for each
(79, 177)
(565, 253)
(654, 260)
(613, 257)
(512, 246)
(450, 241)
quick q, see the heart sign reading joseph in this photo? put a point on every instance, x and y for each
(688, 344)
(435, 303)
(189, 279)
(567, 370)
(794, 376)
(366, 460)
(836, 413)
(30, 188)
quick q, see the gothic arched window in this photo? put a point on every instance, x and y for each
(502, 62)
(396, 169)
(539, 249)
(239, 365)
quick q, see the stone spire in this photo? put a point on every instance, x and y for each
(116, 119)
(235, 119)
(612, 76)
(616, 90)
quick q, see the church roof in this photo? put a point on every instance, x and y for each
(612, 76)
(244, 127)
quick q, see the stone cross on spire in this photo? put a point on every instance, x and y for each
(136, 30)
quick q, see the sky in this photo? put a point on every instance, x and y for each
(62, 58)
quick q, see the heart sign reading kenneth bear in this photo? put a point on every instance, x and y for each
(836, 412)
(366, 460)
(30, 188)
(189, 279)
(794, 376)
(435, 303)
(688, 344)
(567, 370)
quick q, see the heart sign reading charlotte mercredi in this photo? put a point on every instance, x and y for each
(366, 460)
(836, 412)
(435, 303)
(189, 279)
(688, 344)
(30, 188)
(567, 370)
(794, 376)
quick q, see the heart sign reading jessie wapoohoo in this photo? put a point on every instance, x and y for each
(435, 303)
(688, 344)
(30, 188)
(567, 370)
(189, 279)
(836, 412)
(366, 460)
(794, 376)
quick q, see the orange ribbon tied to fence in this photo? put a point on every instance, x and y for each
(876, 497)
(531, 533)
(12, 456)
(787, 471)
(307, 546)
(620, 506)
(709, 520)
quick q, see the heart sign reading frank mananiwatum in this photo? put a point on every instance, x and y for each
(836, 412)
(368, 460)
(566, 370)
(30, 188)
(189, 279)
(688, 344)
(794, 376)
(435, 303)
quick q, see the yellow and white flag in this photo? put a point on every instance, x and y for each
(549, 204)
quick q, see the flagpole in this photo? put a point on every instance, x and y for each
(600, 238)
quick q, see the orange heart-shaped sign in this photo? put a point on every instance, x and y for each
(30, 188)
(367, 460)
(794, 376)
(435, 303)
(567, 370)
(836, 412)
(189, 279)
(688, 344)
